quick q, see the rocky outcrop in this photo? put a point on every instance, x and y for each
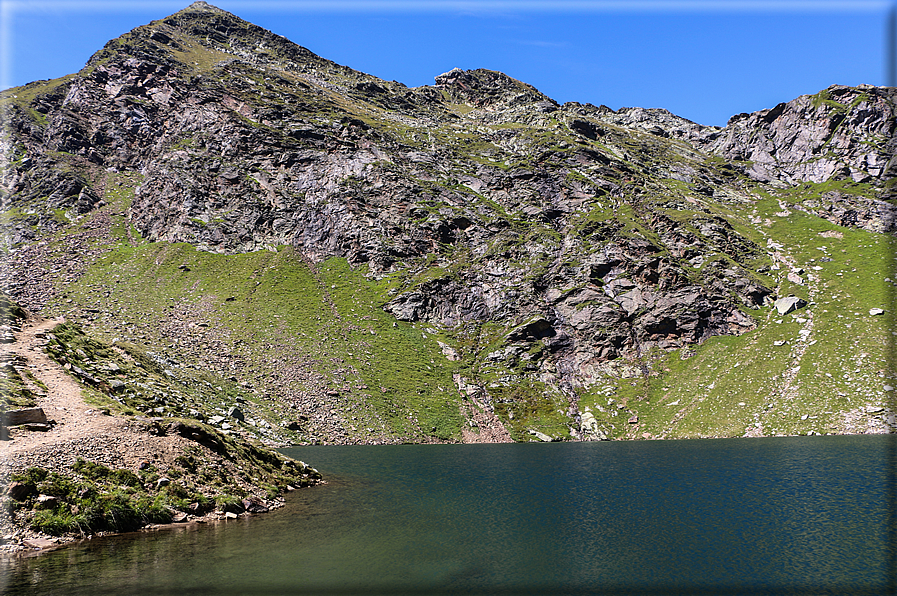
(655, 121)
(493, 92)
(839, 133)
(875, 215)
(845, 132)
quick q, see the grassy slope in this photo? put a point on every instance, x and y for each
(729, 385)
(256, 313)
(261, 313)
(390, 378)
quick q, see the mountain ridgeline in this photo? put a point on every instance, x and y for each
(368, 262)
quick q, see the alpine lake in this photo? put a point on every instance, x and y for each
(778, 515)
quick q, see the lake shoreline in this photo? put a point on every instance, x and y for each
(87, 466)
(39, 544)
(800, 514)
(30, 544)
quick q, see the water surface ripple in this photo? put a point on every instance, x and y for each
(790, 516)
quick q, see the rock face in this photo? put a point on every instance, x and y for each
(841, 130)
(589, 235)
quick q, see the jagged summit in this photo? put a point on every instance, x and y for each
(839, 132)
(489, 88)
(201, 33)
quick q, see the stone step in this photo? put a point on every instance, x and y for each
(24, 416)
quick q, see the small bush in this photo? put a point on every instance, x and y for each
(90, 469)
(57, 486)
(203, 503)
(176, 490)
(230, 503)
(53, 522)
(31, 476)
(188, 462)
(112, 511)
(99, 473)
(125, 478)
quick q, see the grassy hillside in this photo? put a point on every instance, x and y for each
(312, 350)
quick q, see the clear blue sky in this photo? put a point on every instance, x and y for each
(704, 60)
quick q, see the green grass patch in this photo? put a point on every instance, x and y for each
(530, 405)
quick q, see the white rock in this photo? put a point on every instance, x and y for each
(789, 303)
(540, 436)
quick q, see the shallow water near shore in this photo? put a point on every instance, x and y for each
(789, 515)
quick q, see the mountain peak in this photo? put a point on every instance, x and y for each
(200, 5)
(203, 37)
(204, 7)
(483, 87)
(567, 258)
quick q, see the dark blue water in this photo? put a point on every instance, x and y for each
(796, 515)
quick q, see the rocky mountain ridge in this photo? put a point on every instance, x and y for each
(560, 255)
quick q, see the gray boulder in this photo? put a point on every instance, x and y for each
(24, 416)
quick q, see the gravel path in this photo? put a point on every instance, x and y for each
(110, 440)
(62, 401)
(80, 430)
